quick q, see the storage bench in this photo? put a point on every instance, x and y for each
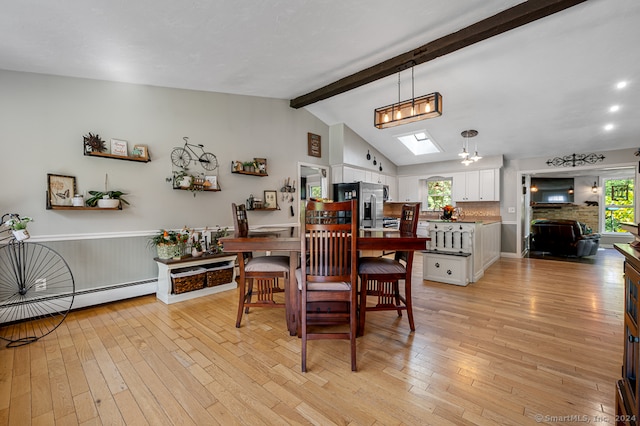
(204, 275)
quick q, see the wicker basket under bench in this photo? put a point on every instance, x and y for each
(194, 277)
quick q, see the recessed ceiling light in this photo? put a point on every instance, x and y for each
(419, 143)
(621, 85)
(614, 108)
(608, 127)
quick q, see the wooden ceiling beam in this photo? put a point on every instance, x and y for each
(504, 21)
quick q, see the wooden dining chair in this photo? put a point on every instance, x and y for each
(258, 275)
(328, 284)
(380, 276)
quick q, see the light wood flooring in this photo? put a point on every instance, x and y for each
(535, 341)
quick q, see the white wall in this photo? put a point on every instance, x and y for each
(43, 120)
(352, 150)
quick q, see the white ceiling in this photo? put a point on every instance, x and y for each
(540, 90)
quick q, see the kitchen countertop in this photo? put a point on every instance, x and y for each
(486, 221)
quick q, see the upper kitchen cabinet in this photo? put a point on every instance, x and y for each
(490, 185)
(408, 188)
(350, 174)
(345, 174)
(476, 185)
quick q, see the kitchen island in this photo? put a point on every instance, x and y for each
(460, 251)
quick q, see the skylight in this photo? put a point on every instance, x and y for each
(419, 143)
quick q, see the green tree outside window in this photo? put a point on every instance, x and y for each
(619, 203)
(438, 194)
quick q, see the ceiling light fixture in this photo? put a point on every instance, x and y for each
(466, 158)
(409, 111)
(594, 188)
(534, 188)
(571, 189)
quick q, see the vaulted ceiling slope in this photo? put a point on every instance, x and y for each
(541, 89)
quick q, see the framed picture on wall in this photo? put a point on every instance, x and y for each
(140, 151)
(61, 189)
(119, 147)
(314, 145)
(261, 164)
(213, 182)
(270, 199)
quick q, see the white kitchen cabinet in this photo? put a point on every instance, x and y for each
(408, 188)
(489, 185)
(373, 177)
(350, 174)
(460, 252)
(465, 186)
(447, 268)
(476, 185)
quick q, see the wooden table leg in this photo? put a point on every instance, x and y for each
(291, 295)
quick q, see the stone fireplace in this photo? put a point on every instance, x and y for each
(584, 214)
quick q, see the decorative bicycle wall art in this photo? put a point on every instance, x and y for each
(183, 177)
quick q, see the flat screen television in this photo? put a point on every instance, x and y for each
(552, 190)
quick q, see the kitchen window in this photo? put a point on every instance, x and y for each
(438, 193)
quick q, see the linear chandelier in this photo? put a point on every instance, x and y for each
(409, 111)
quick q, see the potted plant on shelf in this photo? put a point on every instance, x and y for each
(216, 246)
(182, 179)
(249, 166)
(196, 249)
(169, 244)
(108, 199)
(18, 226)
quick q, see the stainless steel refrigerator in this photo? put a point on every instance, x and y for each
(370, 198)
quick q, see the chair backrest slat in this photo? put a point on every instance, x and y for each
(408, 225)
(240, 220)
(329, 243)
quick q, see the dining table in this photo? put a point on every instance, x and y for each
(287, 240)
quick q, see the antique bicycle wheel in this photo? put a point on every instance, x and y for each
(36, 292)
(208, 161)
(180, 157)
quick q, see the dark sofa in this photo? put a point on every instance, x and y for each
(562, 237)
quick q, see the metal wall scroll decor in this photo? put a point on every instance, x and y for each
(575, 160)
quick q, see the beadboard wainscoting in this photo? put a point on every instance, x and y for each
(107, 267)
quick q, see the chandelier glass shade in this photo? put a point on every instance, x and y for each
(409, 111)
(467, 158)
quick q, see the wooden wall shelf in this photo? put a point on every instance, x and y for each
(117, 157)
(239, 172)
(198, 190)
(83, 208)
(252, 210)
